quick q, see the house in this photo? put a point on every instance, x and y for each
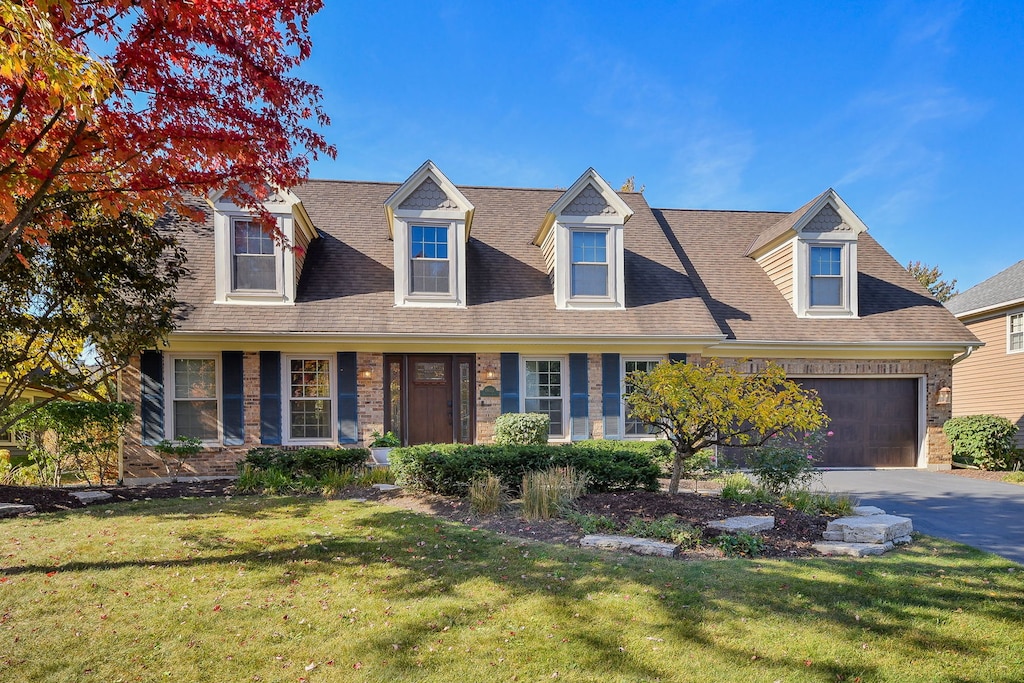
(990, 380)
(428, 309)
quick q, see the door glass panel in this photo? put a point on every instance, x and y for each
(430, 372)
(465, 408)
(395, 397)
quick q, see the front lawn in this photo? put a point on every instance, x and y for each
(292, 589)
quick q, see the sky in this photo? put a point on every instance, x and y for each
(912, 111)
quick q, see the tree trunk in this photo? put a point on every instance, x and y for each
(677, 470)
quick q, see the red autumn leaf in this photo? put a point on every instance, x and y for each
(51, 573)
(216, 608)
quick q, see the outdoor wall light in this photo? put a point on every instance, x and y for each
(945, 396)
(366, 374)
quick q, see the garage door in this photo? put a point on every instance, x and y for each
(874, 421)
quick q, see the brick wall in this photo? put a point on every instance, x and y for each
(488, 374)
(370, 390)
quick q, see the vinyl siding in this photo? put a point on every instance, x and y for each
(301, 244)
(778, 265)
(548, 250)
(991, 381)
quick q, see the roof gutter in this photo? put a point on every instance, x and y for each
(965, 354)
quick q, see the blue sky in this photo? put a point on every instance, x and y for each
(912, 111)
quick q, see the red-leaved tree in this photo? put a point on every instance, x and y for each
(129, 105)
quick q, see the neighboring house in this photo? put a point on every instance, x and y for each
(991, 380)
(11, 440)
(428, 309)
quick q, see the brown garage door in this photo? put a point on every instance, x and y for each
(874, 421)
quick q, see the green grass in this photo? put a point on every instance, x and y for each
(248, 589)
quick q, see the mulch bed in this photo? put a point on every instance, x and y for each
(792, 537)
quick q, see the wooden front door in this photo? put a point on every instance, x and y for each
(430, 398)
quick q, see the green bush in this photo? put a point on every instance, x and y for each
(590, 523)
(742, 544)
(668, 528)
(986, 441)
(782, 468)
(521, 429)
(300, 462)
(448, 469)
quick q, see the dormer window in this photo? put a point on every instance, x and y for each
(429, 220)
(255, 258)
(430, 268)
(254, 266)
(589, 263)
(826, 276)
(581, 239)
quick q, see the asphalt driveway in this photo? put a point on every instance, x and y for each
(984, 514)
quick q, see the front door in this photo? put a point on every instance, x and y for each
(429, 398)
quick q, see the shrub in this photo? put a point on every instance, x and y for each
(550, 491)
(742, 544)
(177, 453)
(521, 429)
(336, 480)
(1016, 477)
(668, 528)
(986, 441)
(448, 469)
(786, 467)
(487, 495)
(275, 481)
(310, 461)
(590, 523)
(814, 503)
(248, 479)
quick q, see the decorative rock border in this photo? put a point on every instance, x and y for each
(748, 524)
(869, 532)
(14, 509)
(640, 546)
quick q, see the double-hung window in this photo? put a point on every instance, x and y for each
(544, 393)
(634, 428)
(1015, 332)
(826, 276)
(254, 258)
(310, 406)
(589, 276)
(430, 268)
(194, 409)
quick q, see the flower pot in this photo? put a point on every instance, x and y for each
(380, 456)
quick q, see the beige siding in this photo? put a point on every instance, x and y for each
(548, 250)
(301, 244)
(778, 265)
(991, 380)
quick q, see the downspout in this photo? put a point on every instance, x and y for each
(964, 355)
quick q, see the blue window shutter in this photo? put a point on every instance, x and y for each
(348, 400)
(510, 383)
(677, 358)
(611, 395)
(270, 398)
(579, 401)
(151, 367)
(232, 408)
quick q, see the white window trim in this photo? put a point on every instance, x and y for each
(622, 393)
(284, 293)
(286, 406)
(1009, 318)
(614, 252)
(456, 295)
(169, 395)
(564, 360)
(848, 289)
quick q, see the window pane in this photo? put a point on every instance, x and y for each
(195, 378)
(255, 272)
(196, 419)
(430, 276)
(588, 280)
(826, 261)
(310, 407)
(544, 391)
(395, 390)
(1017, 332)
(310, 419)
(632, 426)
(465, 396)
(589, 247)
(826, 291)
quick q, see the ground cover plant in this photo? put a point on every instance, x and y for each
(289, 589)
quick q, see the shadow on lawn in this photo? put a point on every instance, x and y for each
(435, 558)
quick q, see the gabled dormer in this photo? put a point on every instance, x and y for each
(582, 241)
(811, 256)
(429, 220)
(253, 266)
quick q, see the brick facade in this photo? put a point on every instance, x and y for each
(141, 462)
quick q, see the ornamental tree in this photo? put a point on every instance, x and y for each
(96, 293)
(930, 278)
(134, 104)
(697, 406)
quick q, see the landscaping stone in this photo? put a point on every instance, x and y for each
(747, 524)
(852, 549)
(88, 497)
(386, 487)
(13, 509)
(640, 546)
(871, 529)
(867, 511)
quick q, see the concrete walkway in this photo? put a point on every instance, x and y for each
(984, 514)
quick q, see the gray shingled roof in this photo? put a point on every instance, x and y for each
(686, 276)
(1001, 288)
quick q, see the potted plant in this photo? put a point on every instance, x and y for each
(381, 445)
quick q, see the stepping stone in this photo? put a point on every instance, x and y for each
(872, 529)
(386, 487)
(91, 496)
(14, 509)
(867, 511)
(851, 549)
(746, 524)
(640, 546)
